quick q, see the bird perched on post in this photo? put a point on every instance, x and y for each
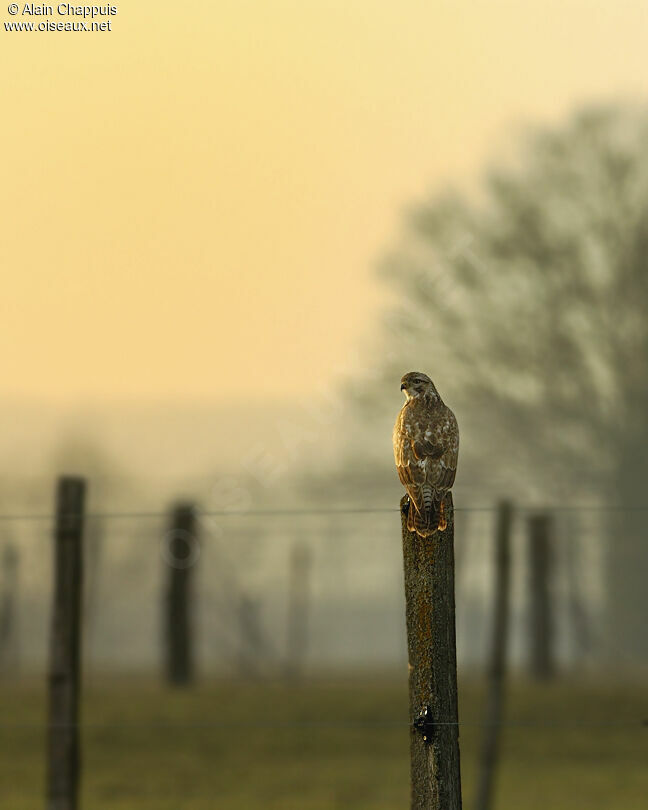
(426, 447)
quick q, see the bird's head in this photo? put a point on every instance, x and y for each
(416, 384)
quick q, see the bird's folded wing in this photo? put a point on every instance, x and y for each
(447, 471)
(423, 448)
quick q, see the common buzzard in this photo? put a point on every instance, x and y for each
(426, 446)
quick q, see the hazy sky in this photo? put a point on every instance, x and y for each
(191, 204)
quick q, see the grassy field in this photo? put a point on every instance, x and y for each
(266, 745)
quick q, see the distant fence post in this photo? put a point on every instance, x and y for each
(180, 553)
(94, 543)
(581, 630)
(497, 668)
(298, 608)
(431, 643)
(65, 648)
(541, 660)
(253, 648)
(8, 610)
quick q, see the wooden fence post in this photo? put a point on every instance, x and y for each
(497, 669)
(298, 607)
(540, 615)
(253, 649)
(94, 550)
(181, 553)
(581, 630)
(8, 610)
(65, 648)
(431, 643)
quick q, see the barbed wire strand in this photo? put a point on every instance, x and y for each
(307, 724)
(224, 513)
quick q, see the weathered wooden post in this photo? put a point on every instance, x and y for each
(541, 660)
(181, 553)
(497, 668)
(65, 648)
(431, 643)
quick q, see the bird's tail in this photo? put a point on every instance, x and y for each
(426, 519)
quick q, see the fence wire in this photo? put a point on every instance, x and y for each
(223, 513)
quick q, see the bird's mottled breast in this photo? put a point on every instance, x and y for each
(405, 430)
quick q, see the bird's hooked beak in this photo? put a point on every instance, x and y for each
(403, 387)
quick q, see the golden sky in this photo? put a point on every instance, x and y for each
(191, 204)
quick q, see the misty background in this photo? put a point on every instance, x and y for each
(228, 229)
(525, 299)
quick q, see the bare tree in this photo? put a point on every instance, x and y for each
(529, 298)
